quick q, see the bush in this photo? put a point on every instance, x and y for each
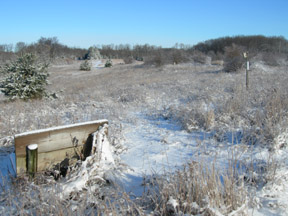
(167, 56)
(234, 59)
(272, 59)
(137, 58)
(159, 58)
(25, 79)
(108, 63)
(128, 60)
(85, 66)
(179, 56)
(199, 57)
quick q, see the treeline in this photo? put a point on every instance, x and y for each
(50, 48)
(138, 52)
(6, 53)
(257, 43)
(47, 49)
(150, 54)
(216, 49)
(225, 48)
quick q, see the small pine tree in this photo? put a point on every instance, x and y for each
(86, 66)
(26, 79)
(93, 53)
(108, 63)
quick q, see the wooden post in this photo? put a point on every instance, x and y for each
(245, 54)
(32, 159)
(247, 75)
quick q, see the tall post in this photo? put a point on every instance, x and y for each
(245, 54)
(31, 159)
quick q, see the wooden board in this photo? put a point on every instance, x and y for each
(53, 143)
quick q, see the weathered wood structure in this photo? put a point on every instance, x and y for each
(55, 144)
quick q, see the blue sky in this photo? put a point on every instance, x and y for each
(157, 22)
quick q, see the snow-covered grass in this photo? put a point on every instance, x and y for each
(174, 129)
(196, 189)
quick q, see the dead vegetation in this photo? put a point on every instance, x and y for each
(195, 96)
(196, 189)
(43, 197)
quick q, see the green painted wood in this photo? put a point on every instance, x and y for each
(31, 159)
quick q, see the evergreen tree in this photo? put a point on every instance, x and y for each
(25, 78)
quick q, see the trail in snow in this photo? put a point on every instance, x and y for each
(97, 64)
(157, 146)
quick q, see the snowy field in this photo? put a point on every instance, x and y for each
(160, 119)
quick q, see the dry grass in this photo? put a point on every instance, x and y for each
(43, 197)
(195, 96)
(224, 104)
(196, 189)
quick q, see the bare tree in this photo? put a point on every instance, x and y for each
(19, 46)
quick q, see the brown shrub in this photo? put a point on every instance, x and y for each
(179, 56)
(234, 59)
(128, 60)
(273, 59)
(199, 57)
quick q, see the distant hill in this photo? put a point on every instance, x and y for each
(257, 43)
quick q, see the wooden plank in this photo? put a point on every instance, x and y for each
(49, 159)
(53, 143)
(46, 160)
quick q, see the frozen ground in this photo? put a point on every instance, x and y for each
(156, 146)
(7, 167)
(152, 144)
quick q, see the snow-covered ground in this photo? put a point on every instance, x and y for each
(7, 167)
(153, 145)
(97, 64)
(156, 146)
